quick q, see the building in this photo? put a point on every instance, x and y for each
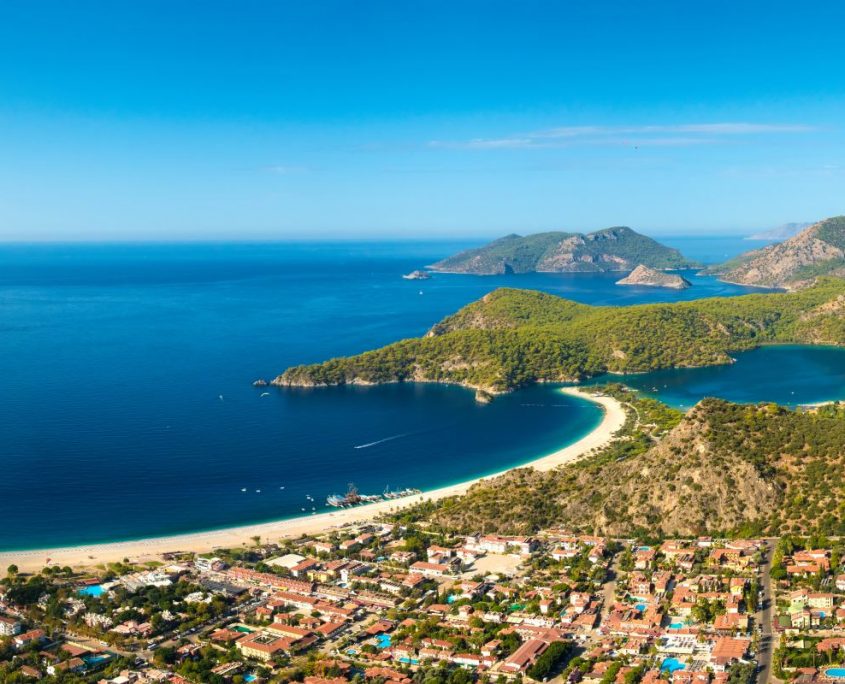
(209, 564)
(9, 626)
(263, 646)
(525, 656)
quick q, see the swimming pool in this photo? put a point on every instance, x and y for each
(836, 672)
(671, 665)
(383, 641)
(640, 607)
(676, 625)
(92, 590)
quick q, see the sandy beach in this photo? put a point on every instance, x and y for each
(201, 542)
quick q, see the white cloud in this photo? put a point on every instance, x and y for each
(663, 135)
(283, 169)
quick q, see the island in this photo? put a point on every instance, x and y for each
(613, 249)
(818, 250)
(511, 338)
(417, 275)
(648, 277)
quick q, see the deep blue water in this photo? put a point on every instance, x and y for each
(786, 374)
(113, 360)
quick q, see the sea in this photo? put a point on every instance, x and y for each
(127, 408)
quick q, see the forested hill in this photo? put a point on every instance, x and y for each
(611, 249)
(722, 468)
(511, 338)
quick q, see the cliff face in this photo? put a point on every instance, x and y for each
(796, 262)
(611, 249)
(648, 277)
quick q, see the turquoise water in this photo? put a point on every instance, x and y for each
(383, 641)
(676, 625)
(837, 672)
(671, 665)
(451, 598)
(640, 607)
(128, 369)
(786, 374)
(94, 590)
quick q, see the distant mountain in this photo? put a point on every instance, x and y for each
(644, 276)
(611, 249)
(796, 262)
(784, 232)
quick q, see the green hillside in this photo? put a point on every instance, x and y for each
(512, 338)
(722, 468)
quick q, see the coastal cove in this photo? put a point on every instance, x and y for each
(612, 418)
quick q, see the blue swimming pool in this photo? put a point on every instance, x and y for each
(836, 672)
(451, 598)
(250, 677)
(383, 641)
(640, 607)
(92, 590)
(676, 625)
(671, 665)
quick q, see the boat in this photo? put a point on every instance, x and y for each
(354, 498)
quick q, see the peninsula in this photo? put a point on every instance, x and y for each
(512, 338)
(612, 249)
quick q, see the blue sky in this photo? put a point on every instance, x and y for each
(256, 120)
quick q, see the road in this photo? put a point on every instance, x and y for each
(609, 591)
(763, 619)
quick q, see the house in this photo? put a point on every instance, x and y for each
(643, 558)
(302, 568)
(33, 636)
(729, 650)
(9, 626)
(213, 564)
(322, 547)
(72, 665)
(820, 601)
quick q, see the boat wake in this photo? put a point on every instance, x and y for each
(380, 441)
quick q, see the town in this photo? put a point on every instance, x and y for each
(381, 602)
